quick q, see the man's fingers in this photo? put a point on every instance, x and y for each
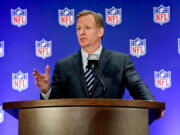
(42, 80)
(35, 72)
(162, 113)
(47, 70)
(36, 77)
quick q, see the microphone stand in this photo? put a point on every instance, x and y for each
(104, 89)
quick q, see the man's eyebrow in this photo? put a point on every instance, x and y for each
(83, 25)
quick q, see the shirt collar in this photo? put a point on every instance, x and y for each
(97, 52)
(85, 55)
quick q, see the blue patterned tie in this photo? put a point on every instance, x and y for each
(89, 77)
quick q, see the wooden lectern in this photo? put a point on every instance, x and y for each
(84, 116)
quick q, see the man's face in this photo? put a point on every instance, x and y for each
(89, 35)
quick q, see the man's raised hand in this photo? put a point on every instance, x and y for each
(42, 80)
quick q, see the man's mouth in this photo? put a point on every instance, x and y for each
(82, 39)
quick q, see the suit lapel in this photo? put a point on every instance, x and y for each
(77, 63)
(104, 59)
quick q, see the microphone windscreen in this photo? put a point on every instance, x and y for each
(93, 61)
(93, 57)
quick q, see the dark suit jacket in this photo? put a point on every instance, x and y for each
(115, 69)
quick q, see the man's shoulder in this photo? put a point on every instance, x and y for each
(116, 53)
(67, 60)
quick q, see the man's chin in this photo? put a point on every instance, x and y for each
(83, 45)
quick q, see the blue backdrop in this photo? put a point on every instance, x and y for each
(149, 29)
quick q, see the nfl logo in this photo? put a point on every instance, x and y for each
(43, 48)
(113, 16)
(179, 45)
(138, 47)
(161, 14)
(19, 81)
(66, 17)
(1, 49)
(19, 17)
(162, 79)
(1, 114)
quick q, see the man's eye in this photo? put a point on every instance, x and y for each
(87, 27)
(78, 28)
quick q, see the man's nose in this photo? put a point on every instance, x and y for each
(82, 31)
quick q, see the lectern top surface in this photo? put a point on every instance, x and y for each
(84, 102)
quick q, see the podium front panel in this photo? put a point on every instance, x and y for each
(83, 121)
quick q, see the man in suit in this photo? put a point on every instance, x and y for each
(115, 69)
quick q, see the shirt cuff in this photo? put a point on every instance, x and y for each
(47, 95)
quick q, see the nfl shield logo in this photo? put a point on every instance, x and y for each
(19, 17)
(179, 45)
(66, 17)
(1, 49)
(162, 79)
(1, 114)
(161, 14)
(138, 47)
(113, 16)
(19, 81)
(43, 48)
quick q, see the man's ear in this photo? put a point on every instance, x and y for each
(101, 32)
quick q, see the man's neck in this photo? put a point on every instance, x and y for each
(90, 50)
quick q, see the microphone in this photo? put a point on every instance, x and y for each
(93, 61)
(93, 64)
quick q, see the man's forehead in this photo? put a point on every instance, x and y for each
(84, 18)
(86, 15)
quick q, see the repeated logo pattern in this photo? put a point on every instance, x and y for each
(162, 79)
(113, 16)
(43, 48)
(66, 17)
(19, 17)
(138, 47)
(1, 115)
(1, 49)
(19, 81)
(161, 14)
